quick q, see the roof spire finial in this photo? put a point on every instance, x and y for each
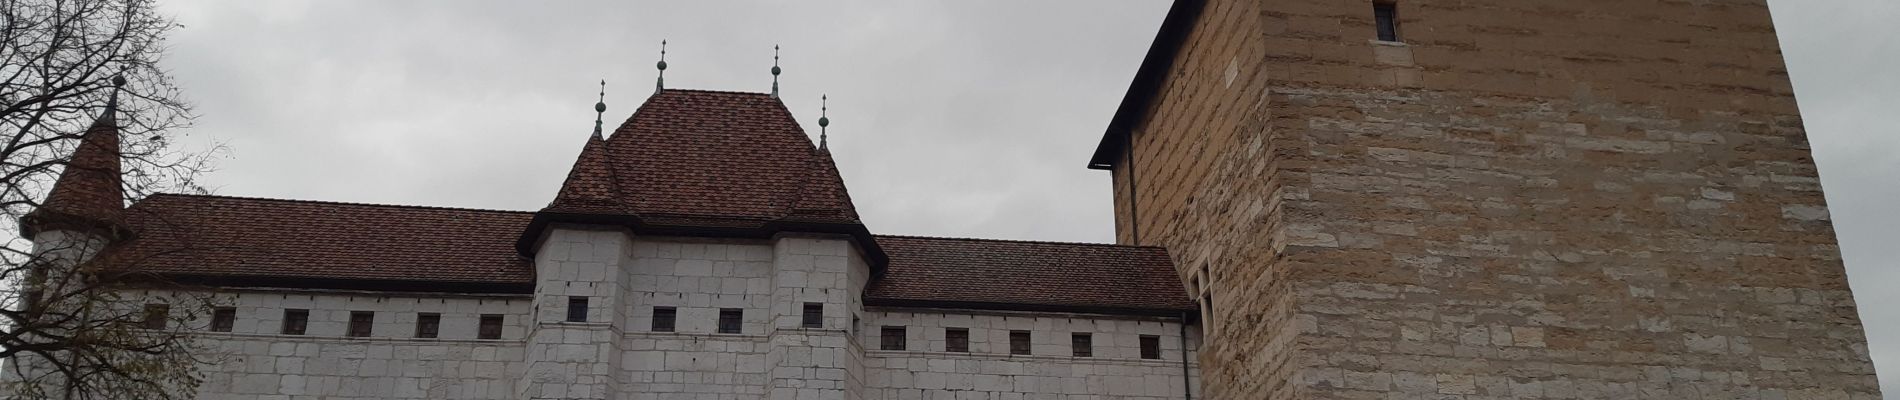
(112, 103)
(660, 85)
(824, 120)
(600, 107)
(775, 71)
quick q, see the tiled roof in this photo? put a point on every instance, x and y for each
(981, 273)
(88, 193)
(695, 156)
(270, 242)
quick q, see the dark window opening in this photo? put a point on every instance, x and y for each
(223, 318)
(814, 315)
(1019, 342)
(1150, 347)
(892, 338)
(1084, 344)
(295, 320)
(577, 309)
(428, 325)
(1386, 15)
(956, 340)
(491, 327)
(663, 319)
(361, 323)
(730, 320)
(156, 316)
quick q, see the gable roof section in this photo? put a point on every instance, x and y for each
(718, 157)
(1029, 276)
(234, 241)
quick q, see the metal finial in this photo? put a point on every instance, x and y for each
(660, 85)
(600, 107)
(824, 119)
(112, 102)
(775, 71)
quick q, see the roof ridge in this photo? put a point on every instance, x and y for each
(717, 91)
(340, 203)
(970, 239)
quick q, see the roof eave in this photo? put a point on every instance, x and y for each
(1148, 79)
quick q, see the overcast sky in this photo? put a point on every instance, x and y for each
(948, 118)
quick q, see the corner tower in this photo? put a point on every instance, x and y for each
(1487, 198)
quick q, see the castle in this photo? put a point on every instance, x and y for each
(1314, 199)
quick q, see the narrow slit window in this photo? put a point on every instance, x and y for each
(663, 318)
(1084, 344)
(1386, 15)
(428, 325)
(490, 327)
(223, 318)
(1019, 343)
(362, 323)
(295, 320)
(730, 320)
(156, 316)
(577, 309)
(892, 338)
(814, 315)
(956, 340)
(1150, 347)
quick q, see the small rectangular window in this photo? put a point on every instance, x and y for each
(361, 323)
(295, 320)
(1019, 342)
(730, 320)
(663, 319)
(491, 326)
(814, 315)
(156, 315)
(1084, 344)
(1386, 15)
(577, 309)
(956, 340)
(428, 325)
(1150, 347)
(892, 338)
(223, 318)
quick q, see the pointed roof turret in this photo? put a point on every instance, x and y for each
(590, 187)
(89, 195)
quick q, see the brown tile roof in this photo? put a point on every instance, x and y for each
(1004, 274)
(88, 193)
(294, 243)
(269, 242)
(696, 156)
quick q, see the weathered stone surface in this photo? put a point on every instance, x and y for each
(1558, 199)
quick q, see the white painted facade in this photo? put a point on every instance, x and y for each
(617, 355)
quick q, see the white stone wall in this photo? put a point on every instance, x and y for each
(697, 277)
(616, 355)
(1051, 371)
(256, 361)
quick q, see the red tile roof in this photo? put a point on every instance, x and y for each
(696, 156)
(269, 242)
(1004, 274)
(295, 243)
(88, 193)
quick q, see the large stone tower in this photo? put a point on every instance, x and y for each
(1488, 198)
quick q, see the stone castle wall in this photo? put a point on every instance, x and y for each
(1523, 199)
(617, 355)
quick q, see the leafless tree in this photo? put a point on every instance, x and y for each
(83, 329)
